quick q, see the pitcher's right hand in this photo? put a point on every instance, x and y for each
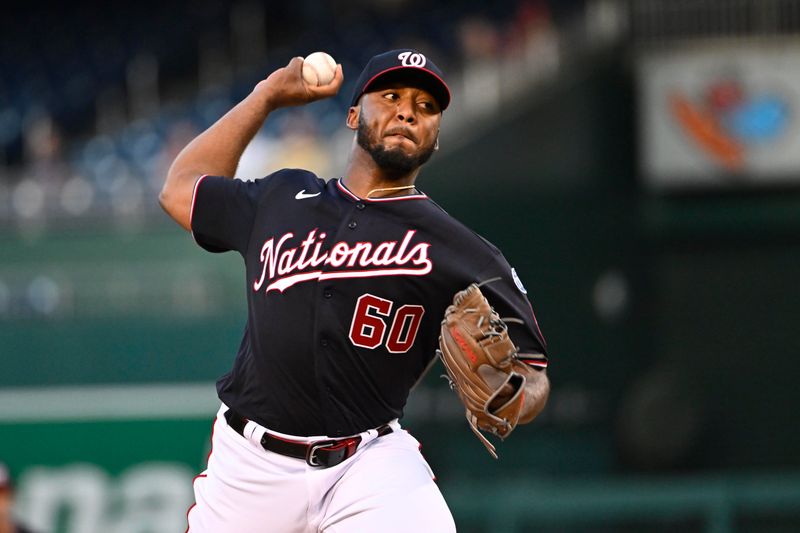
(285, 87)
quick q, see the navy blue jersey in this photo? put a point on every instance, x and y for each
(345, 297)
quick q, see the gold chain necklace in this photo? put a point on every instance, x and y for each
(390, 189)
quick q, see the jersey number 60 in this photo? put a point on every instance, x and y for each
(368, 328)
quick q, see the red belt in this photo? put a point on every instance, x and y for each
(324, 453)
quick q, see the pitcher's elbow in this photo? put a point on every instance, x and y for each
(166, 196)
(163, 199)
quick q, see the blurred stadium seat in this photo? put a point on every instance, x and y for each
(86, 73)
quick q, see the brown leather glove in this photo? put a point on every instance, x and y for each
(476, 350)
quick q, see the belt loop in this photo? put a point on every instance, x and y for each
(236, 421)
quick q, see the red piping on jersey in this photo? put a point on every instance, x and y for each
(420, 196)
(536, 322)
(533, 360)
(191, 210)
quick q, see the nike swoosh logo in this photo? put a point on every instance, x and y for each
(302, 195)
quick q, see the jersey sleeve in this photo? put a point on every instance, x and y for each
(509, 298)
(223, 211)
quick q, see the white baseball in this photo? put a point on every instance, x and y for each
(319, 69)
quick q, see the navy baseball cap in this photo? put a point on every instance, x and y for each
(404, 65)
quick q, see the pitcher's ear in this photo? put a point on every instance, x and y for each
(352, 117)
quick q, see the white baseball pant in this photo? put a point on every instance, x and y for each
(385, 486)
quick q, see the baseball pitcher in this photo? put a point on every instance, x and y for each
(355, 285)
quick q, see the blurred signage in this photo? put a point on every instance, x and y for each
(720, 114)
(150, 497)
(81, 470)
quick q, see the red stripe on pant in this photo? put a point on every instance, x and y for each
(198, 476)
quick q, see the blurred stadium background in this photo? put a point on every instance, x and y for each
(637, 161)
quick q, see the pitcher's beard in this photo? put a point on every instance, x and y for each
(393, 161)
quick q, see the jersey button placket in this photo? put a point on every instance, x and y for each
(353, 224)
